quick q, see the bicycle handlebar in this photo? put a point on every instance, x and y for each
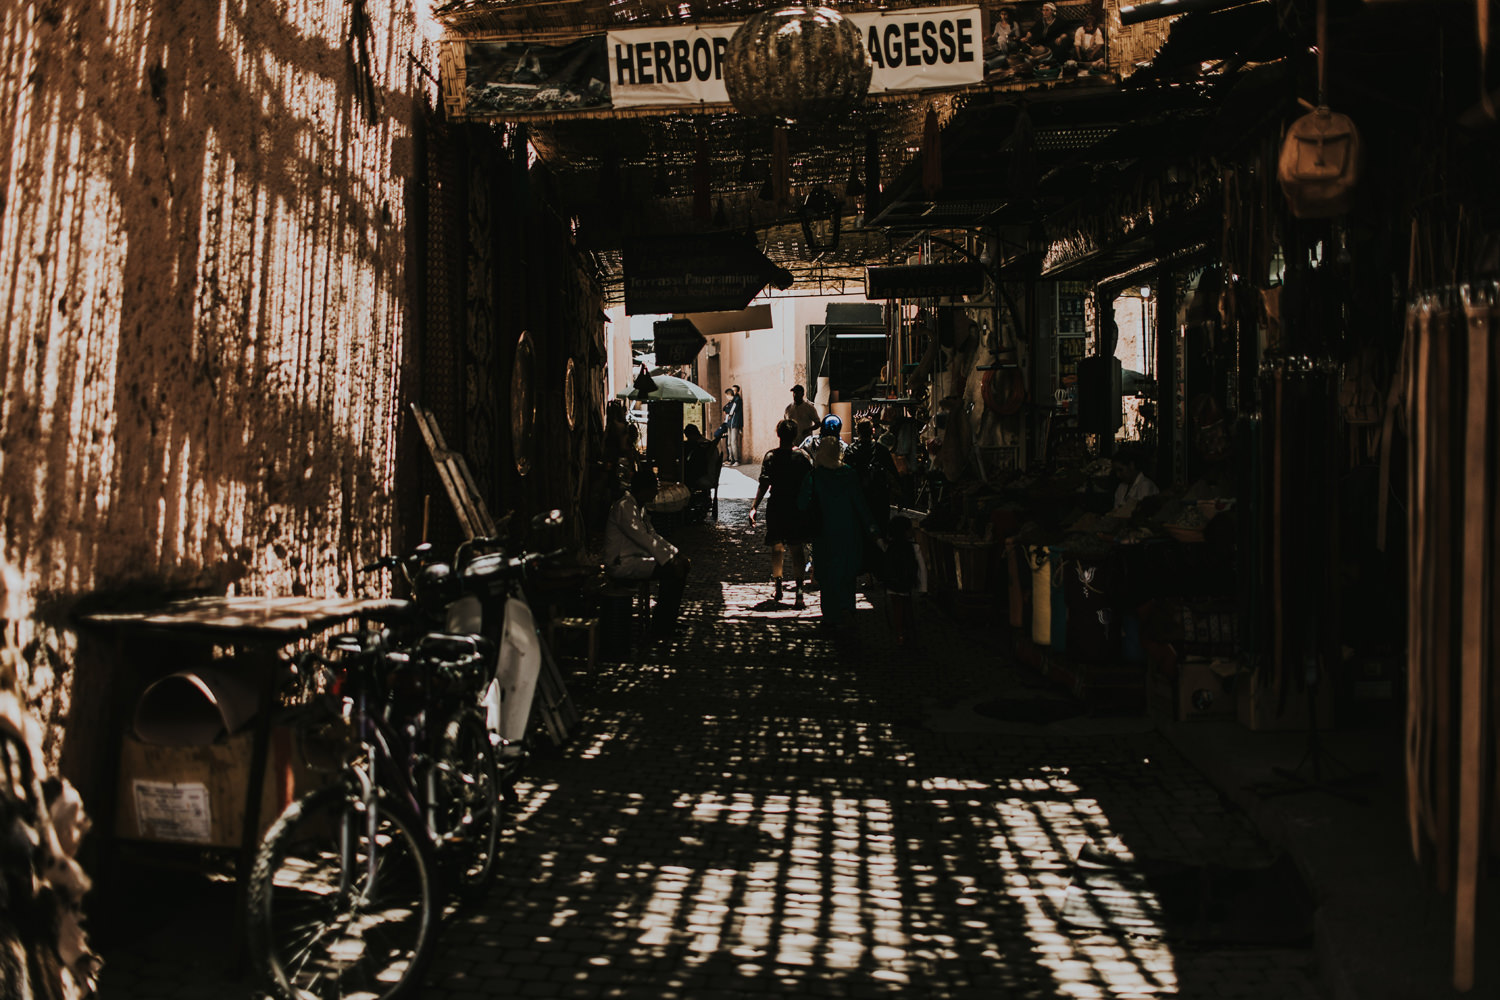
(384, 562)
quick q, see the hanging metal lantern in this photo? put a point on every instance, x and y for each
(796, 62)
(822, 216)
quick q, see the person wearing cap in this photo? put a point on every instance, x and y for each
(801, 412)
(843, 524)
(1049, 31)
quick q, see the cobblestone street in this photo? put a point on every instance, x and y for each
(759, 810)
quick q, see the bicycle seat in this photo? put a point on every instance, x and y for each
(452, 648)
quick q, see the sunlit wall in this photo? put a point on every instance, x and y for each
(202, 289)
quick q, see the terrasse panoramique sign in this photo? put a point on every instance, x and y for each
(664, 66)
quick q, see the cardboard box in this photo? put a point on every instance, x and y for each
(1205, 688)
(196, 794)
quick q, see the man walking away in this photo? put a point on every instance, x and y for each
(782, 471)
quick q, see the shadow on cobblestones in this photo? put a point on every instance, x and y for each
(756, 810)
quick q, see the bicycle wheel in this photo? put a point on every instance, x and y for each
(469, 804)
(336, 914)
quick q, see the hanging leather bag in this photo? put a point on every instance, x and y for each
(1319, 164)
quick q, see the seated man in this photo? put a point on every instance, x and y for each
(1088, 43)
(634, 551)
(1128, 468)
(1050, 33)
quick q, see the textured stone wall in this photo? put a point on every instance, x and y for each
(203, 299)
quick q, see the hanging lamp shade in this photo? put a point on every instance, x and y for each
(796, 62)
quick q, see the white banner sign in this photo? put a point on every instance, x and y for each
(667, 65)
(923, 48)
(918, 49)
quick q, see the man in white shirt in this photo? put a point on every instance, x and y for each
(1134, 485)
(1088, 42)
(801, 413)
(634, 551)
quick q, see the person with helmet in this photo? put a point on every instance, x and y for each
(829, 429)
(832, 427)
(843, 525)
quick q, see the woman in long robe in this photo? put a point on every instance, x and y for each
(844, 522)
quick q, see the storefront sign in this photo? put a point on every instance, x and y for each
(711, 323)
(668, 65)
(677, 341)
(917, 49)
(923, 48)
(706, 273)
(913, 281)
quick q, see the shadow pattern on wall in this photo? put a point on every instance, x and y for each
(202, 293)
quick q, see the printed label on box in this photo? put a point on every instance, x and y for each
(168, 811)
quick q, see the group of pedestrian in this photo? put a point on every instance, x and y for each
(818, 493)
(837, 499)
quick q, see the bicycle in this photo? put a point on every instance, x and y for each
(345, 890)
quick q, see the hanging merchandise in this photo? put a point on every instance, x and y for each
(644, 383)
(1003, 389)
(1301, 493)
(932, 154)
(781, 171)
(1039, 562)
(1453, 554)
(796, 62)
(1319, 164)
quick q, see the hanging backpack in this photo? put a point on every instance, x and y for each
(1319, 163)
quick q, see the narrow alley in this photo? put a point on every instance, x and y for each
(755, 810)
(355, 354)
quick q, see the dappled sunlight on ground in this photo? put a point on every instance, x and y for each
(757, 809)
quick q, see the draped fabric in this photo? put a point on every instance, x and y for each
(1452, 402)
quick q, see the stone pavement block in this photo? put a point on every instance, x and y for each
(764, 809)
